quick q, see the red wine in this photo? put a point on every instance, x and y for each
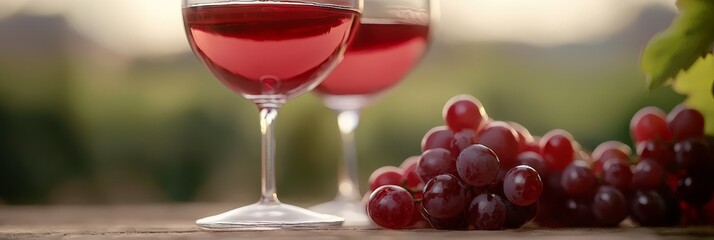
(381, 54)
(268, 49)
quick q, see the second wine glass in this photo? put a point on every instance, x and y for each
(390, 41)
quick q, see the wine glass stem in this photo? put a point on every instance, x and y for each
(267, 118)
(347, 187)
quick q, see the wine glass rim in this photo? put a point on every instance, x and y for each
(356, 7)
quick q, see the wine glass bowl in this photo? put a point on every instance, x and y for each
(269, 52)
(391, 39)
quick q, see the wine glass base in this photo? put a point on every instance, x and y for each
(268, 216)
(353, 212)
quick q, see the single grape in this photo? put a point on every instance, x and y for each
(502, 139)
(437, 137)
(461, 140)
(648, 208)
(478, 165)
(696, 187)
(524, 136)
(610, 206)
(659, 151)
(522, 185)
(557, 150)
(517, 216)
(578, 180)
(532, 159)
(649, 124)
(609, 150)
(408, 162)
(434, 162)
(685, 122)
(648, 174)
(617, 174)
(444, 197)
(387, 175)
(390, 207)
(612, 149)
(487, 212)
(464, 111)
(692, 153)
(578, 213)
(412, 180)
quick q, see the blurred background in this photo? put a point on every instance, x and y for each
(102, 102)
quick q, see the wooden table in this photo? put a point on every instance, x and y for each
(177, 222)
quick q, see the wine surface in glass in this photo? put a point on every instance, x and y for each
(380, 55)
(263, 49)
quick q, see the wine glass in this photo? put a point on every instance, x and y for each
(269, 52)
(390, 40)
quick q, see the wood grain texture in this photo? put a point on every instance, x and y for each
(177, 222)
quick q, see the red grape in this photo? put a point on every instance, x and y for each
(391, 207)
(659, 151)
(578, 180)
(692, 153)
(609, 150)
(648, 208)
(648, 174)
(532, 159)
(437, 137)
(557, 149)
(478, 165)
(522, 185)
(685, 122)
(487, 212)
(696, 187)
(578, 212)
(524, 136)
(609, 206)
(502, 139)
(464, 111)
(612, 149)
(444, 197)
(435, 162)
(649, 124)
(408, 162)
(387, 175)
(412, 180)
(517, 216)
(461, 140)
(617, 174)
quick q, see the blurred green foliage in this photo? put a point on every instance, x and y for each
(698, 84)
(689, 38)
(82, 125)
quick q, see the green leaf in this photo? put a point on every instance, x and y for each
(697, 83)
(690, 37)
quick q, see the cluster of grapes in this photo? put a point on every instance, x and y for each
(668, 182)
(473, 173)
(477, 173)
